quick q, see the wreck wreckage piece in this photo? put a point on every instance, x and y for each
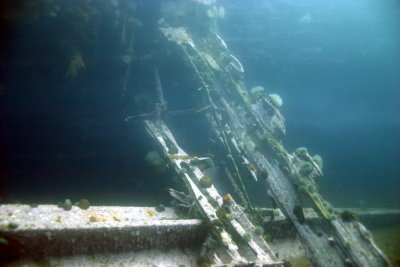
(213, 207)
(250, 127)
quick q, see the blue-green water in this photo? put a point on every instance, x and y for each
(336, 64)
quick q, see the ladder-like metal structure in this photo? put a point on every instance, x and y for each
(215, 209)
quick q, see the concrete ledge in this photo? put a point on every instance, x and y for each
(144, 258)
(54, 217)
(49, 230)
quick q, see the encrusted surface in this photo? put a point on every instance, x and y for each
(48, 230)
(53, 217)
(145, 258)
(134, 239)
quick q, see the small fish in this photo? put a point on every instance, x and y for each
(127, 59)
(52, 14)
(181, 157)
(251, 167)
(306, 19)
(114, 3)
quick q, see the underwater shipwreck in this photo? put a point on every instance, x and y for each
(208, 224)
